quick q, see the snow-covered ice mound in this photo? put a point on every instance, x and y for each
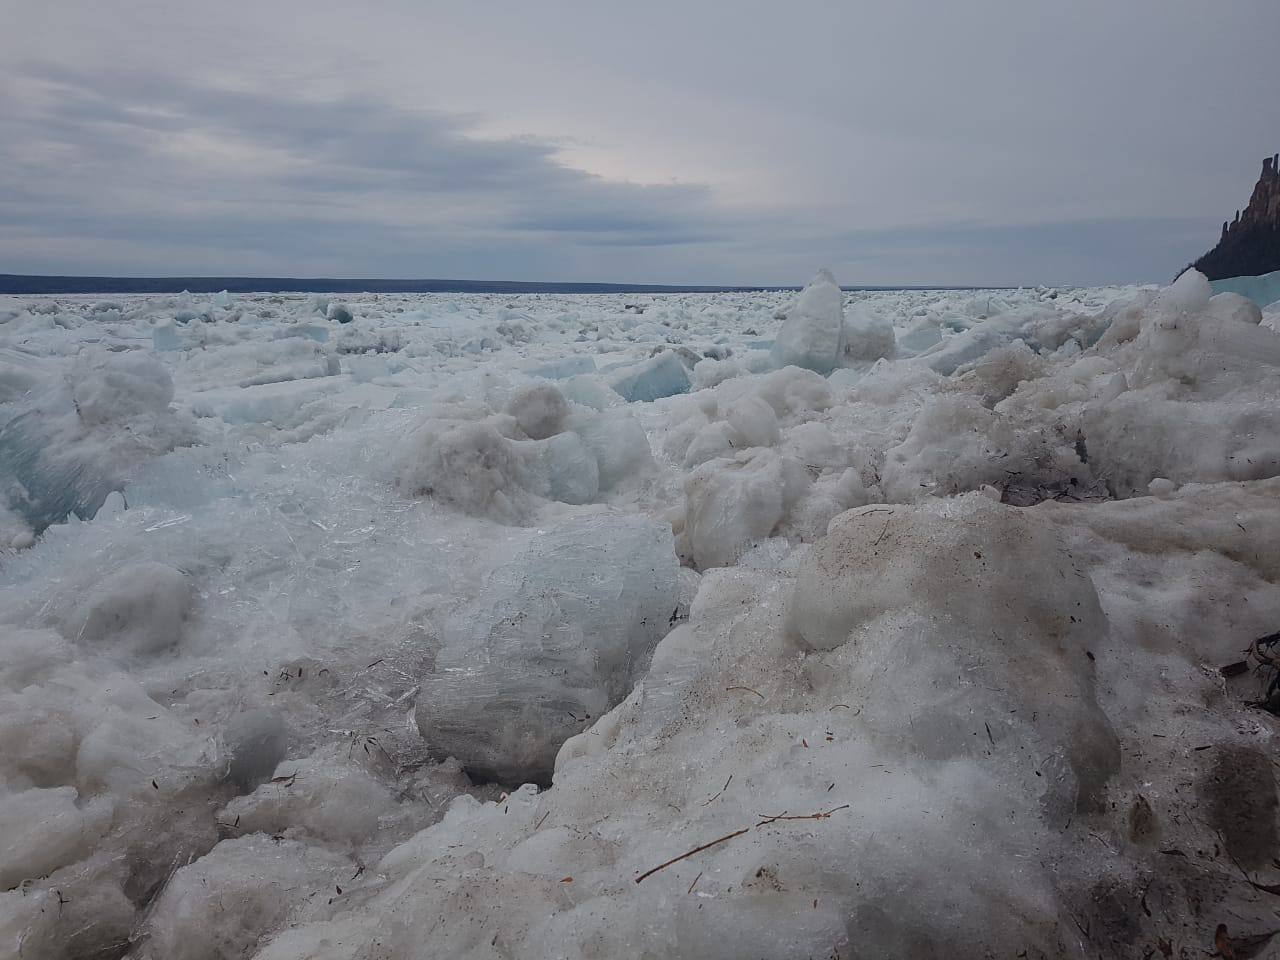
(720, 625)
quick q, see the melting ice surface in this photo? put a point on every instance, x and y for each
(429, 626)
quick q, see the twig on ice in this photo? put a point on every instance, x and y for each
(695, 850)
(820, 815)
(722, 790)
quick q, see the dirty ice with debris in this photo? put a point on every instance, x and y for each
(892, 624)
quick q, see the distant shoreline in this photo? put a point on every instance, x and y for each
(34, 284)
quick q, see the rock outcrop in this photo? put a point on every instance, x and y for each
(1250, 244)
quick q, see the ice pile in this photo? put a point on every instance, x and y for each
(943, 740)
(1201, 373)
(721, 625)
(501, 465)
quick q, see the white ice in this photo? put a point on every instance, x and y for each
(431, 625)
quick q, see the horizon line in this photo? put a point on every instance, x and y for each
(32, 284)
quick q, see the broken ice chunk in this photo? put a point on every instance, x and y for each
(558, 636)
(652, 379)
(812, 335)
(732, 504)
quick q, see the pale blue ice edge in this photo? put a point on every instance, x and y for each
(1263, 290)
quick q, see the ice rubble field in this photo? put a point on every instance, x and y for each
(909, 607)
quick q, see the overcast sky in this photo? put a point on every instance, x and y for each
(682, 141)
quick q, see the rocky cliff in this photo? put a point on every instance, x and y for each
(1250, 244)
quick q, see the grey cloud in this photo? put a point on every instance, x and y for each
(351, 166)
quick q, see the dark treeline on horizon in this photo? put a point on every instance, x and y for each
(11, 283)
(17, 283)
